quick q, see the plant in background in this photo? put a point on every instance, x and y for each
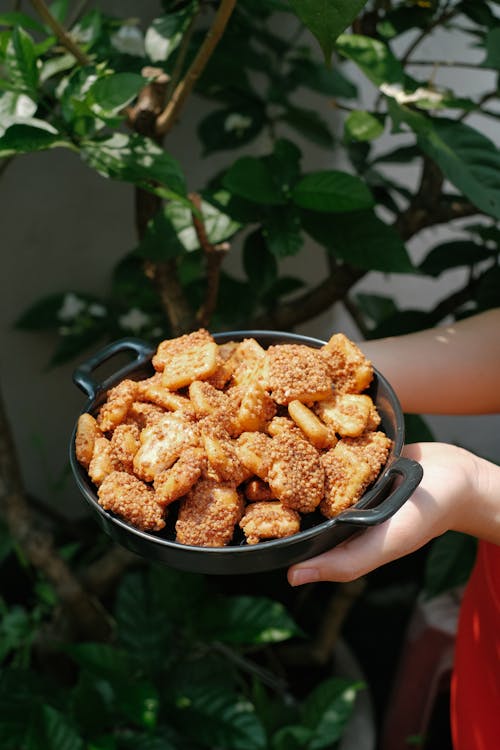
(111, 90)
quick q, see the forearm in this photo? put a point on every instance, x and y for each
(452, 369)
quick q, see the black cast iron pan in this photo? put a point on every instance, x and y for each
(378, 504)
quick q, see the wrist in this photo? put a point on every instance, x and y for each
(479, 509)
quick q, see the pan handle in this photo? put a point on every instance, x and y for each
(82, 376)
(411, 472)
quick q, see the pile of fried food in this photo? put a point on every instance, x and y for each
(234, 435)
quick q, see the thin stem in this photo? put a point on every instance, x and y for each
(181, 56)
(171, 112)
(449, 64)
(60, 32)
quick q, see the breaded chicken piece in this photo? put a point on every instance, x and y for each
(224, 371)
(208, 401)
(224, 463)
(208, 514)
(244, 359)
(346, 478)
(118, 401)
(153, 390)
(296, 474)
(253, 450)
(371, 447)
(184, 359)
(144, 414)
(295, 371)
(125, 442)
(346, 413)
(269, 520)
(256, 407)
(103, 461)
(87, 432)
(278, 425)
(349, 369)
(163, 442)
(176, 481)
(132, 500)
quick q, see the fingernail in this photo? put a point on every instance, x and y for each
(303, 575)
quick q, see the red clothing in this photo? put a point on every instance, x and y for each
(475, 690)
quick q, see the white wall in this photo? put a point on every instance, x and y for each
(64, 227)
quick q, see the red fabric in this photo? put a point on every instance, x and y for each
(475, 690)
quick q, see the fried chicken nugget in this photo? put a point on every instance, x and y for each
(118, 401)
(269, 520)
(208, 401)
(186, 358)
(125, 442)
(176, 481)
(86, 433)
(346, 413)
(132, 500)
(371, 447)
(244, 359)
(144, 414)
(346, 478)
(295, 371)
(296, 475)
(314, 430)
(224, 463)
(253, 450)
(154, 391)
(349, 369)
(208, 514)
(103, 461)
(256, 407)
(163, 442)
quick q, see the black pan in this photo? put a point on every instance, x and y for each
(378, 504)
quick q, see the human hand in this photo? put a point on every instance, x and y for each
(438, 504)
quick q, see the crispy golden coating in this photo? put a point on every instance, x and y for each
(125, 442)
(256, 490)
(208, 514)
(253, 450)
(371, 447)
(163, 442)
(102, 462)
(277, 425)
(86, 433)
(244, 359)
(346, 413)
(176, 481)
(346, 478)
(186, 358)
(295, 371)
(314, 430)
(269, 520)
(224, 463)
(132, 500)
(154, 391)
(115, 409)
(296, 475)
(144, 414)
(256, 407)
(349, 369)
(207, 401)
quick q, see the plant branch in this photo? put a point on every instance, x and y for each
(167, 118)
(214, 255)
(445, 16)
(60, 32)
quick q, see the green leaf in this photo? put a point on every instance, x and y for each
(102, 659)
(454, 254)
(308, 123)
(468, 159)
(160, 240)
(375, 307)
(486, 292)
(32, 135)
(259, 264)
(492, 59)
(20, 62)
(373, 57)
(134, 158)
(217, 718)
(332, 191)
(247, 620)
(283, 232)
(449, 563)
(326, 19)
(165, 33)
(292, 737)
(327, 710)
(54, 731)
(219, 226)
(361, 239)
(15, 108)
(231, 127)
(115, 91)
(331, 82)
(15, 19)
(252, 179)
(363, 126)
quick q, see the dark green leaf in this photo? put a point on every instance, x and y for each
(331, 82)
(478, 11)
(449, 563)
(285, 163)
(453, 254)
(375, 307)
(35, 136)
(282, 232)
(165, 33)
(115, 91)
(54, 731)
(247, 620)
(487, 291)
(327, 710)
(373, 57)
(252, 179)
(259, 264)
(403, 321)
(308, 123)
(160, 240)
(102, 659)
(332, 191)
(15, 19)
(492, 59)
(326, 19)
(49, 312)
(231, 128)
(400, 155)
(20, 61)
(134, 158)
(292, 737)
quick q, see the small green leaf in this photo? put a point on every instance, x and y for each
(492, 59)
(373, 57)
(327, 710)
(308, 123)
(449, 563)
(20, 61)
(113, 92)
(165, 33)
(54, 731)
(454, 254)
(331, 82)
(326, 19)
(231, 127)
(259, 264)
(283, 232)
(252, 179)
(32, 135)
(363, 126)
(15, 19)
(102, 659)
(332, 191)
